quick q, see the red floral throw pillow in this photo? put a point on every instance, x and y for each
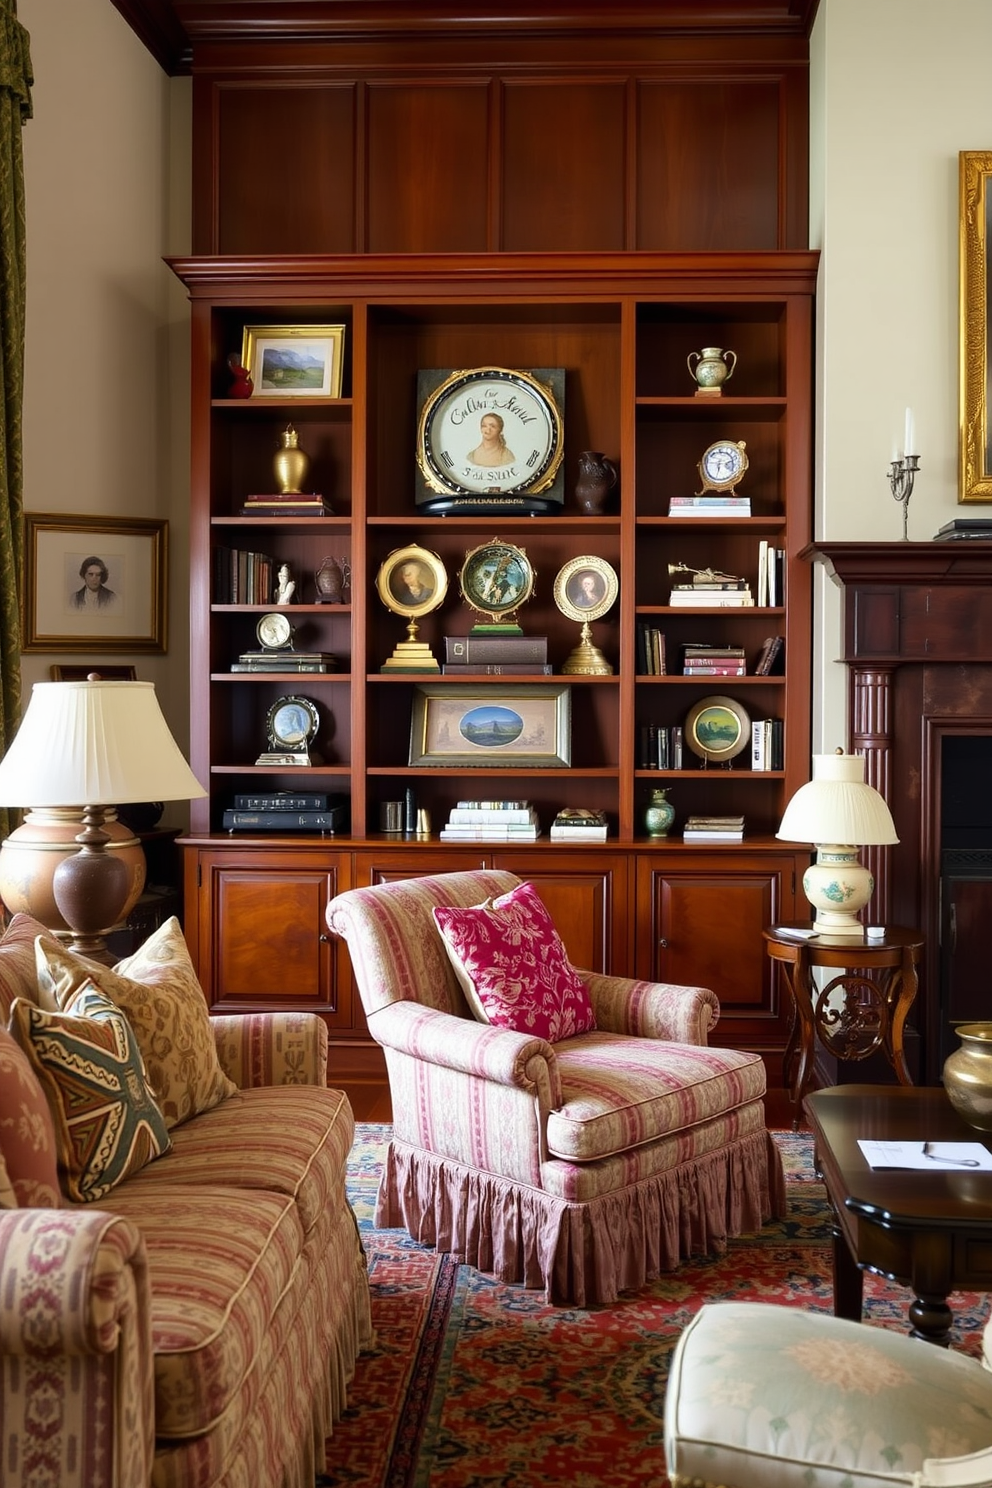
(27, 1134)
(512, 966)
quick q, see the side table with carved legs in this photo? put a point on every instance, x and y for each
(859, 1010)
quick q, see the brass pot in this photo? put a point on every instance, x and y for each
(968, 1075)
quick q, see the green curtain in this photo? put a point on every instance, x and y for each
(15, 107)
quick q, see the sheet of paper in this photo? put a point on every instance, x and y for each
(927, 1156)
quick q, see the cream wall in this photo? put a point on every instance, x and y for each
(106, 382)
(899, 87)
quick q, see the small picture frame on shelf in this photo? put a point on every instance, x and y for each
(586, 588)
(94, 583)
(294, 361)
(491, 726)
(412, 581)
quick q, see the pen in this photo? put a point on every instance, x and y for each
(958, 1162)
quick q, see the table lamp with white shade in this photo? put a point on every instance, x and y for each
(93, 745)
(839, 813)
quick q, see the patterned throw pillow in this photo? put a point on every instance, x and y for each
(158, 990)
(18, 976)
(512, 965)
(107, 1124)
(27, 1135)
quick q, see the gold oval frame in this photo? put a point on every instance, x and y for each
(539, 477)
(571, 572)
(387, 577)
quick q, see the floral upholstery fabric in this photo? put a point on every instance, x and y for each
(584, 1166)
(512, 967)
(107, 1124)
(761, 1396)
(158, 990)
(27, 1134)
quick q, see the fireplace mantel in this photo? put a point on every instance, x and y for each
(918, 647)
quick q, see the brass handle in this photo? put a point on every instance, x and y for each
(324, 939)
(663, 943)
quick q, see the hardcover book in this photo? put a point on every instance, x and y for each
(235, 820)
(469, 649)
(286, 801)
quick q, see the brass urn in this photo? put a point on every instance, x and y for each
(968, 1075)
(291, 463)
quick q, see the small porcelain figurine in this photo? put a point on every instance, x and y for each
(285, 586)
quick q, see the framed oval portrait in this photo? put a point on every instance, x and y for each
(496, 579)
(292, 723)
(717, 729)
(412, 581)
(585, 588)
(490, 430)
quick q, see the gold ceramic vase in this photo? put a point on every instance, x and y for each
(291, 463)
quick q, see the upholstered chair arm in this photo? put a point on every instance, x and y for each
(272, 1048)
(76, 1309)
(477, 1049)
(657, 1010)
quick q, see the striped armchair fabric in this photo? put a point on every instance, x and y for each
(583, 1167)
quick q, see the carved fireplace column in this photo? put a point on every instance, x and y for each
(871, 736)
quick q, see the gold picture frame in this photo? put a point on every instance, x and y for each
(975, 206)
(586, 588)
(63, 610)
(295, 361)
(717, 729)
(412, 581)
(487, 727)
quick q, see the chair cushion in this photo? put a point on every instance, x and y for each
(158, 990)
(512, 965)
(761, 1396)
(107, 1124)
(27, 1134)
(619, 1093)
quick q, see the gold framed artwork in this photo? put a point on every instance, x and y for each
(94, 583)
(975, 450)
(469, 726)
(294, 361)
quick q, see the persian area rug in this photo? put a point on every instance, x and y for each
(477, 1385)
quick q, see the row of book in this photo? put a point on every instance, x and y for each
(771, 574)
(713, 829)
(718, 505)
(660, 748)
(243, 577)
(767, 744)
(700, 660)
(287, 504)
(517, 821)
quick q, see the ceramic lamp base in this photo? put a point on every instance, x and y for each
(838, 887)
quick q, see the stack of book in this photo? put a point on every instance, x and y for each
(496, 655)
(709, 506)
(709, 593)
(287, 504)
(284, 811)
(284, 661)
(577, 825)
(491, 821)
(770, 656)
(713, 661)
(658, 747)
(714, 829)
(650, 650)
(766, 744)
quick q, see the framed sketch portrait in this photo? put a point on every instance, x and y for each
(94, 583)
(975, 209)
(412, 581)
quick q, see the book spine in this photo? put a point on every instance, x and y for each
(466, 816)
(576, 834)
(499, 669)
(718, 669)
(466, 649)
(487, 834)
(310, 802)
(292, 821)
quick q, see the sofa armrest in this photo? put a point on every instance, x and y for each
(76, 1314)
(272, 1048)
(657, 1010)
(481, 1050)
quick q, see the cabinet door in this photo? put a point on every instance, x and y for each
(701, 923)
(261, 942)
(588, 898)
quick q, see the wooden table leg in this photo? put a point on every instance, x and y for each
(905, 982)
(931, 1319)
(848, 1279)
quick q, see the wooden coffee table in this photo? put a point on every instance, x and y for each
(932, 1232)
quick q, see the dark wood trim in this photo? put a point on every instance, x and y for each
(157, 26)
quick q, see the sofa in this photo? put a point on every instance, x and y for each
(183, 1291)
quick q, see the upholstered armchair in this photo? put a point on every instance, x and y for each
(583, 1164)
(762, 1396)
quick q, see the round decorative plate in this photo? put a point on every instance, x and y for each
(717, 729)
(496, 579)
(292, 723)
(490, 431)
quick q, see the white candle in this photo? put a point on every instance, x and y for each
(910, 448)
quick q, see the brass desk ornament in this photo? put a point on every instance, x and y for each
(585, 589)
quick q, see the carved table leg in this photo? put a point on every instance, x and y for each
(931, 1319)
